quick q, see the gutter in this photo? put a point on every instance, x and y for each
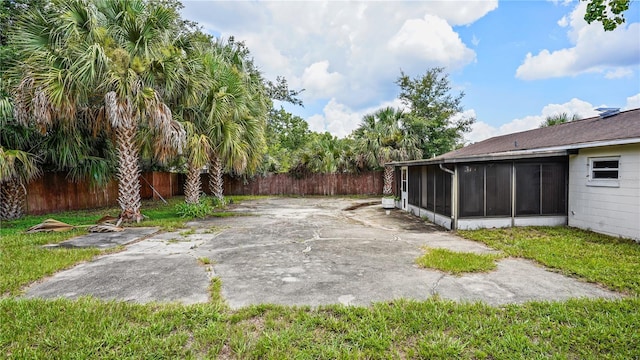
(446, 169)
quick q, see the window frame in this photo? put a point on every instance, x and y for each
(603, 182)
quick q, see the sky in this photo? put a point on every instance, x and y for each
(516, 62)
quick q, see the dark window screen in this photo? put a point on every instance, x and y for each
(443, 193)
(431, 186)
(554, 191)
(424, 188)
(527, 189)
(414, 185)
(498, 188)
(396, 178)
(471, 187)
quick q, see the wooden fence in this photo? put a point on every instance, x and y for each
(54, 193)
(368, 183)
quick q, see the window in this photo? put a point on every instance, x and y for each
(604, 168)
(527, 189)
(541, 189)
(472, 190)
(485, 190)
(414, 185)
(431, 188)
(498, 188)
(443, 192)
(425, 193)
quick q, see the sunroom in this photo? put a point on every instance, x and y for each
(487, 191)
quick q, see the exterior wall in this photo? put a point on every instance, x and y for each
(608, 210)
(540, 221)
(483, 223)
(438, 219)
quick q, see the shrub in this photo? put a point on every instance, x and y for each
(199, 210)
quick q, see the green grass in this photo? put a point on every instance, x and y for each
(23, 260)
(434, 329)
(456, 263)
(598, 258)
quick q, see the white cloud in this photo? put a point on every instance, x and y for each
(475, 41)
(633, 102)
(481, 130)
(463, 12)
(318, 82)
(619, 73)
(594, 50)
(340, 120)
(431, 40)
(564, 22)
(290, 38)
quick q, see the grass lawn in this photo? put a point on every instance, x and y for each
(598, 258)
(456, 263)
(433, 329)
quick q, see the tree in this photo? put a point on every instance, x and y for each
(609, 12)
(559, 119)
(17, 164)
(384, 137)
(286, 135)
(235, 105)
(110, 64)
(435, 115)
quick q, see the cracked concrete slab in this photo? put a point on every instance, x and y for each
(306, 251)
(109, 239)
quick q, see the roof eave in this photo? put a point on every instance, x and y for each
(520, 154)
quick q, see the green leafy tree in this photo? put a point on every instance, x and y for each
(608, 12)
(434, 113)
(110, 63)
(286, 135)
(18, 162)
(559, 119)
(18, 165)
(384, 137)
(324, 153)
(236, 105)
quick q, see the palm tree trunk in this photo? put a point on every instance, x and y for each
(216, 181)
(12, 199)
(128, 172)
(193, 185)
(388, 181)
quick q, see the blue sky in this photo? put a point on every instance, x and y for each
(516, 61)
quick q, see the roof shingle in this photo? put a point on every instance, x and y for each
(625, 125)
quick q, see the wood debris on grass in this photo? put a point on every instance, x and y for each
(52, 225)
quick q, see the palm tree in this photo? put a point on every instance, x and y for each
(236, 107)
(17, 166)
(112, 62)
(383, 138)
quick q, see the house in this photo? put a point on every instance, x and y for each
(584, 174)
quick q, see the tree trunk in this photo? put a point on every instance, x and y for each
(193, 185)
(216, 180)
(128, 172)
(12, 199)
(388, 181)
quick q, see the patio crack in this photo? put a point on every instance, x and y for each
(435, 286)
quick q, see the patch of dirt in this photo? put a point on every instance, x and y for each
(361, 205)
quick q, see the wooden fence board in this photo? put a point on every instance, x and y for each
(368, 183)
(54, 193)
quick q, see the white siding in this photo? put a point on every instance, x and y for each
(608, 210)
